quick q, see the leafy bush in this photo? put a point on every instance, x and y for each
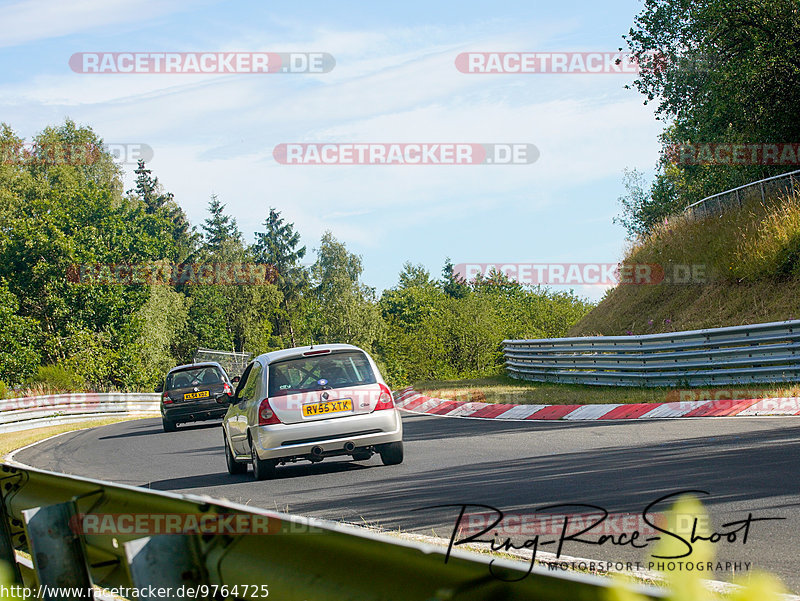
(432, 335)
(59, 379)
(18, 340)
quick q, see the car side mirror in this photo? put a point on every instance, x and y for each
(159, 387)
(235, 380)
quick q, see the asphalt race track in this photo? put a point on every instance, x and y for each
(747, 465)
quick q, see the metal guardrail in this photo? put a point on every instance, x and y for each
(36, 412)
(759, 353)
(718, 203)
(45, 515)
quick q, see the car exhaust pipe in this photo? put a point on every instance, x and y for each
(316, 451)
(349, 447)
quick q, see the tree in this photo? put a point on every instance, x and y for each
(278, 246)
(416, 295)
(453, 284)
(19, 341)
(149, 190)
(344, 309)
(160, 323)
(221, 235)
(233, 317)
(721, 71)
(639, 213)
(414, 275)
(70, 155)
(59, 217)
(157, 202)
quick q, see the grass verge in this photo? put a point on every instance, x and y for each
(16, 440)
(502, 389)
(745, 267)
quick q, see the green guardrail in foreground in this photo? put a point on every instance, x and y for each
(82, 532)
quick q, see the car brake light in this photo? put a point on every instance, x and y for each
(165, 399)
(266, 416)
(227, 389)
(320, 352)
(385, 400)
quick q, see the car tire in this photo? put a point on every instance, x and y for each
(169, 426)
(234, 467)
(392, 453)
(262, 469)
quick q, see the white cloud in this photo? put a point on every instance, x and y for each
(216, 133)
(32, 20)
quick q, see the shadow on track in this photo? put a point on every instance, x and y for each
(760, 465)
(426, 427)
(149, 430)
(284, 472)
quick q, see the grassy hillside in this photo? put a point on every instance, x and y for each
(747, 263)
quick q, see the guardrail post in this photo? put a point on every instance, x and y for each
(7, 544)
(57, 552)
(163, 561)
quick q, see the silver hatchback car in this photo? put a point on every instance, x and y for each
(309, 403)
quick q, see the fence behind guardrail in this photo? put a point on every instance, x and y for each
(717, 203)
(759, 353)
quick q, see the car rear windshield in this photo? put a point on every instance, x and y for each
(198, 376)
(335, 370)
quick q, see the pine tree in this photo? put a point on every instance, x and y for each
(156, 201)
(220, 231)
(453, 284)
(149, 190)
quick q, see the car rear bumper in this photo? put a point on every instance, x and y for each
(331, 436)
(193, 411)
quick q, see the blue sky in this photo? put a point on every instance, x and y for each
(394, 81)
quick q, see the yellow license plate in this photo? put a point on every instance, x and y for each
(195, 395)
(327, 407)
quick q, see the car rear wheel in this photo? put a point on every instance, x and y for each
(169, 426)
(392, 453)
(234, 467)
(262, 469)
